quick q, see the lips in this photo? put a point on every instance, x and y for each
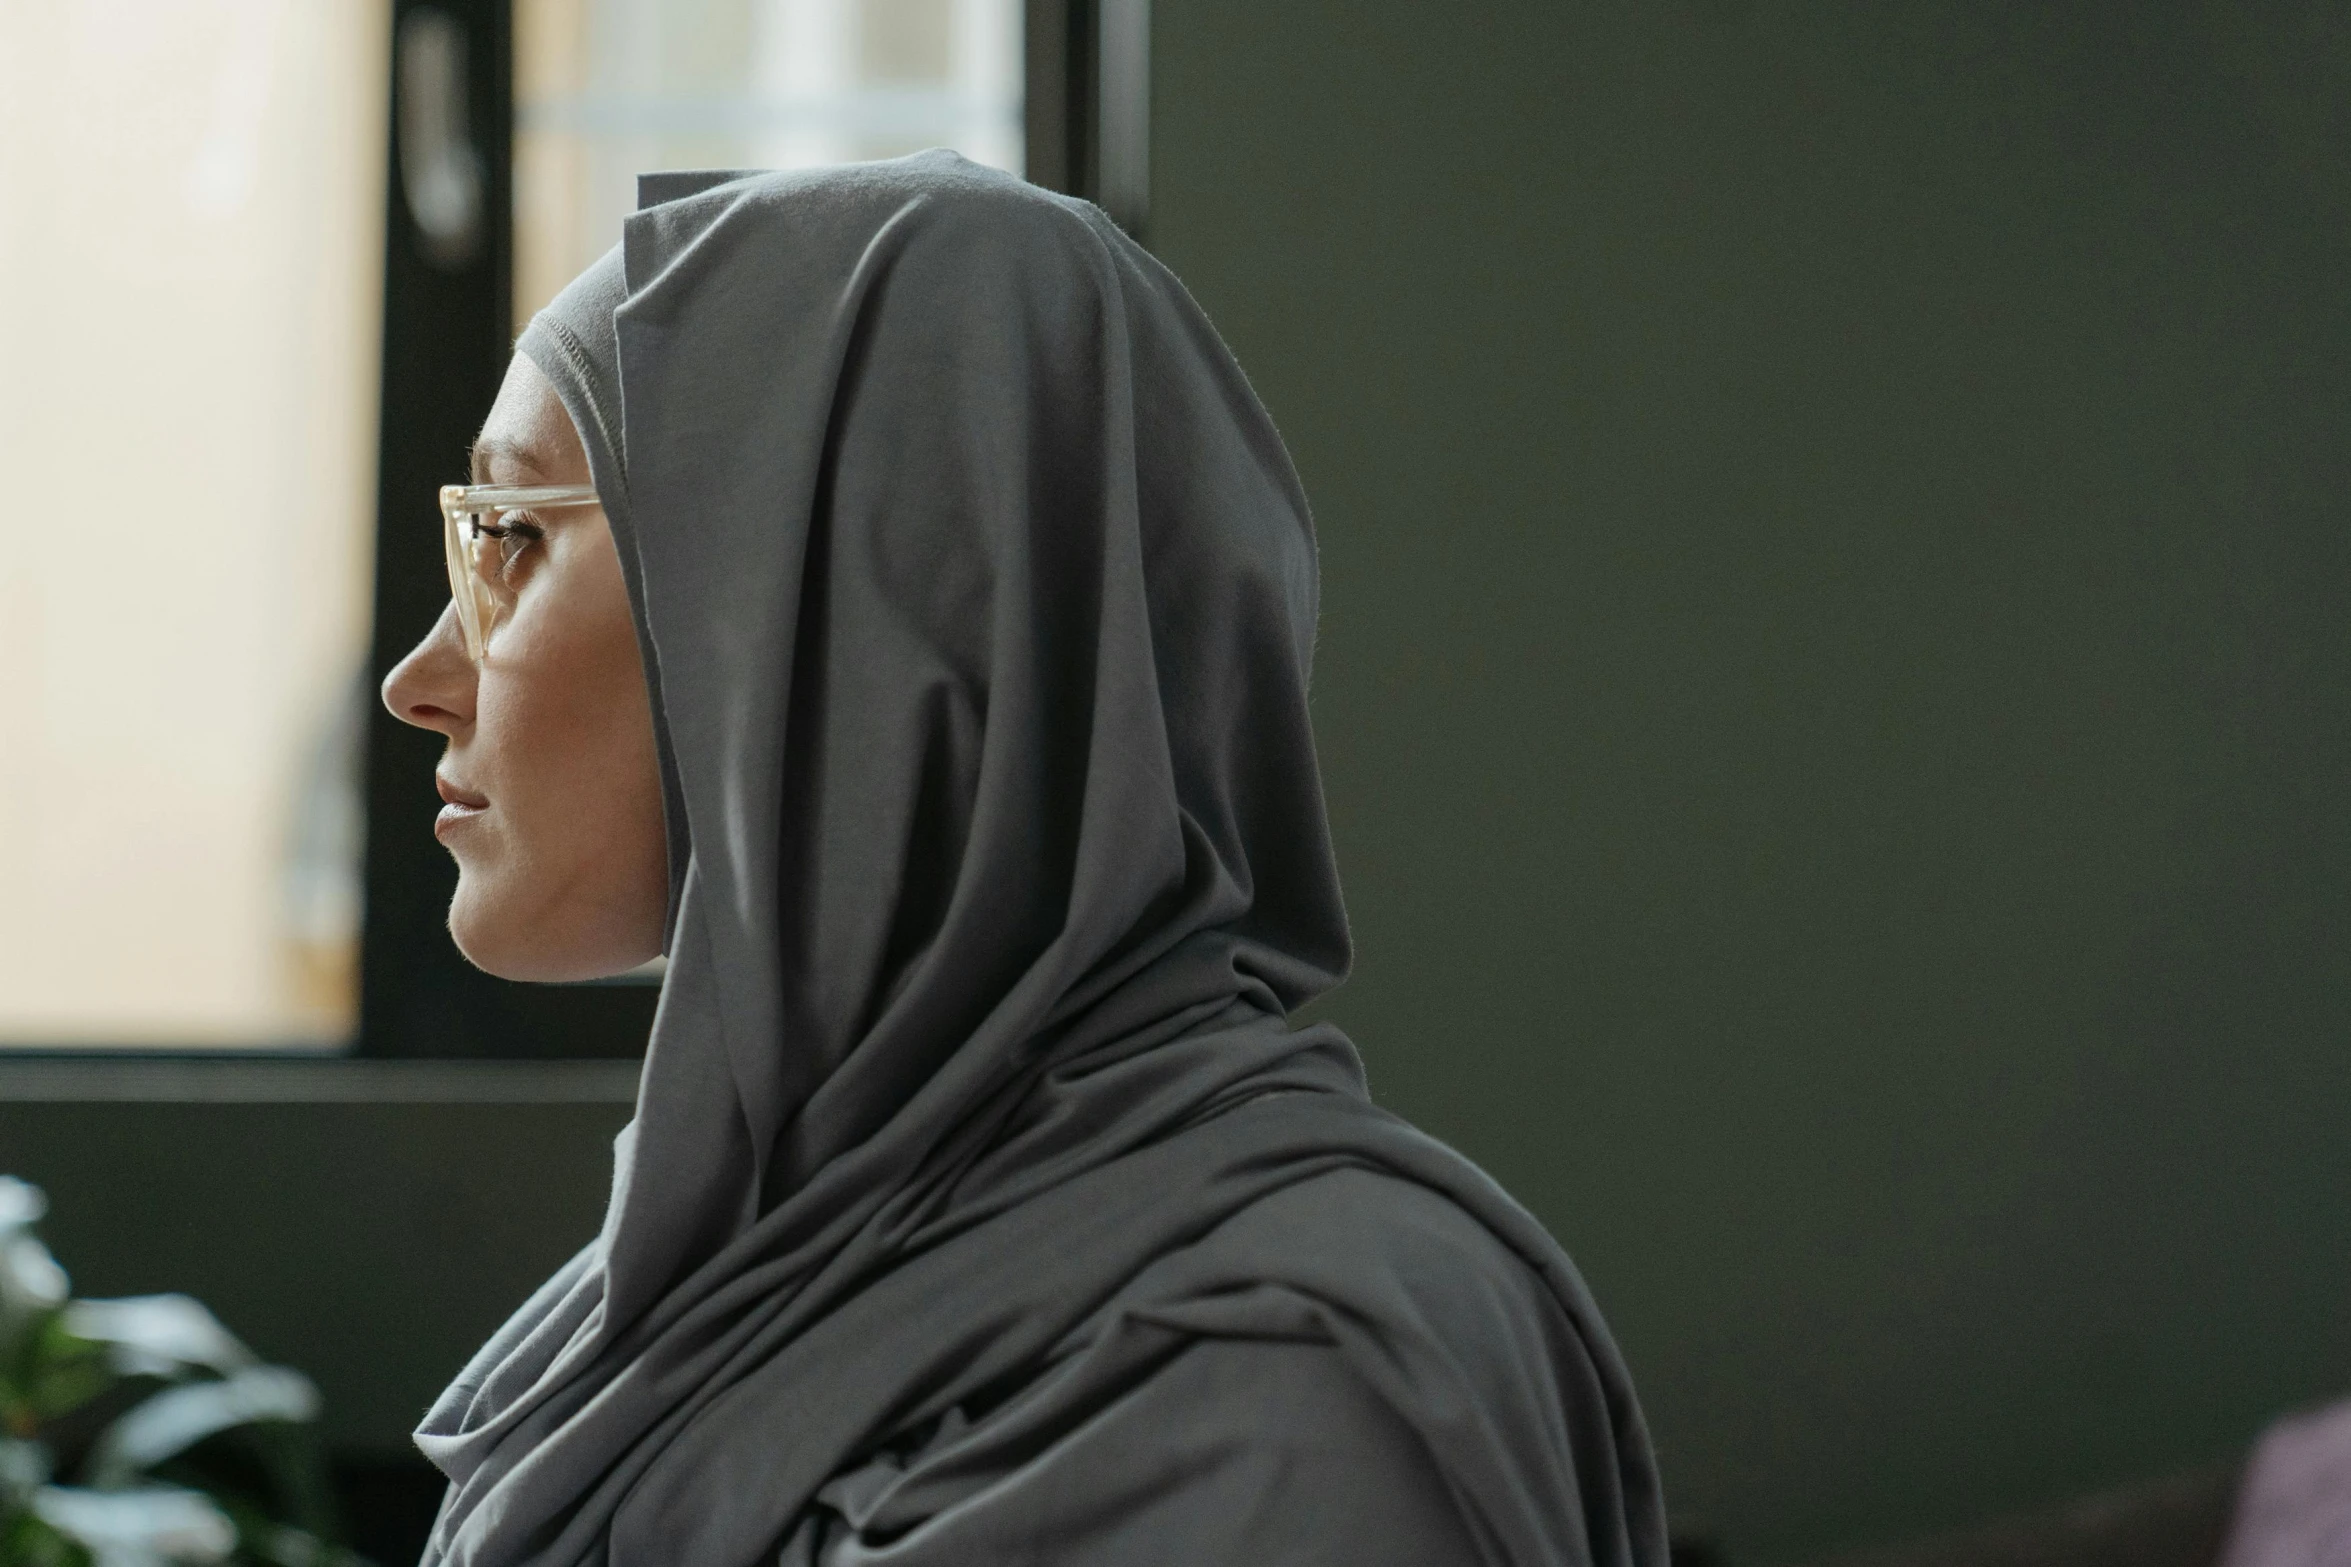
(455, 794)
(459, 805)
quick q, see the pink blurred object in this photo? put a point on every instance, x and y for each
(2294, 1508)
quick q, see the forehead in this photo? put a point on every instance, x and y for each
(528, 435)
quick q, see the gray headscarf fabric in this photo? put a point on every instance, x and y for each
(981, 1205)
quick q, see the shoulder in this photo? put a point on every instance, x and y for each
(1357, 1367)
(1228, 1450)
(1450, 1308)
(1354, 1213)
(1379, 1244)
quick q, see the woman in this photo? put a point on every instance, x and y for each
(980, 1205)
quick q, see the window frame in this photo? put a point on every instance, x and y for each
(446, 342)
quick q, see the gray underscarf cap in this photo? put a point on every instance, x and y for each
(576, 345)
(573, 343)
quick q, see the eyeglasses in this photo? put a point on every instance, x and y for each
(481, 539)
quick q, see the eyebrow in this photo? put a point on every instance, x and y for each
(515, 454)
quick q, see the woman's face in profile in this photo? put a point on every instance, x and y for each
(551, 787)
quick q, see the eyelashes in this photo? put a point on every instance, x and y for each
(513, 538)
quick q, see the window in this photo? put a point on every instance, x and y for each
(281, 248)
(607, 89)
(190, 224)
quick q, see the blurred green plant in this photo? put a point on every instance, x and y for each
(139, 1433)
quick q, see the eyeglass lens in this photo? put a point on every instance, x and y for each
(475, 559)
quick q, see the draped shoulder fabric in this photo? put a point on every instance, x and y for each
(981, 1206)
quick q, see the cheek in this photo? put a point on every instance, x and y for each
(543, 727)
(565, 743)
(574, 743)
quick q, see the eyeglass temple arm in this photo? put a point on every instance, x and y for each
(497, 497)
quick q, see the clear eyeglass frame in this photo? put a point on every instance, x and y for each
(473, 532)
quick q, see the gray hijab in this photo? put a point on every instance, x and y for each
(977, 598)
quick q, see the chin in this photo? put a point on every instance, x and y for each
(508, 944)
(488, 945)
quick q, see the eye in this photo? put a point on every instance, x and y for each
(499, 545)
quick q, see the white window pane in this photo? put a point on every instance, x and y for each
(606, 90)
(191, 210)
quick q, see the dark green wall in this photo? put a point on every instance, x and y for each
(373, 1245)
(1833, 685)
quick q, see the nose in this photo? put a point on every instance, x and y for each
(433, 687)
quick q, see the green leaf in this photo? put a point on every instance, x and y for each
(159, 1335)
(46, 1371)
(66, 1371)
(152, 1522)
(182, 1415)
(197, 1430)
(25, 1541)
